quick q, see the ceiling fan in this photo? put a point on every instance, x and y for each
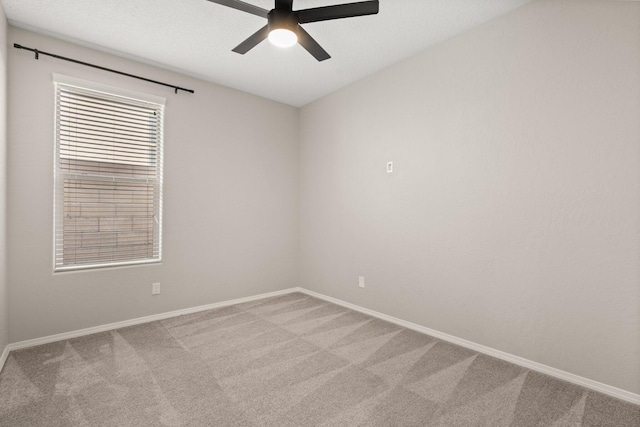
(283, 27)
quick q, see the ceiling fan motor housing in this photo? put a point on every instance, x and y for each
(282, 19)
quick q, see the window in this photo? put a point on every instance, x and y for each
(108, 176)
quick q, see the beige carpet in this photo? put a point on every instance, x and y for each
(285, 361)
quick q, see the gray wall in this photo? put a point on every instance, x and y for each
(230, 198)
(4, 301)
(513, 216)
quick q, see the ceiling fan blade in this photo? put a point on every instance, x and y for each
(252, 41)
(338, 11)
(284, 4)
(312, 46)
(245, 7)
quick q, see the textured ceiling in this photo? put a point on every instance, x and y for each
(195, 37)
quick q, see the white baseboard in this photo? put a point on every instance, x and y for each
(137, 321)
(534, 366)
(516, 360)
(3, 358)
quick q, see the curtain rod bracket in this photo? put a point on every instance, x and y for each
(122, 73)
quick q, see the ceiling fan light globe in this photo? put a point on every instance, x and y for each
(282, 37)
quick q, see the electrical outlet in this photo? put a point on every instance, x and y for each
(155, 289)
(389, 167)
(361, 281)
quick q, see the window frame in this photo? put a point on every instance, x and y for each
(108, 92)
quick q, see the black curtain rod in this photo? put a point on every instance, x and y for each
(40, 52)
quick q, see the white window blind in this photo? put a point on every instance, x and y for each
(108, 179)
